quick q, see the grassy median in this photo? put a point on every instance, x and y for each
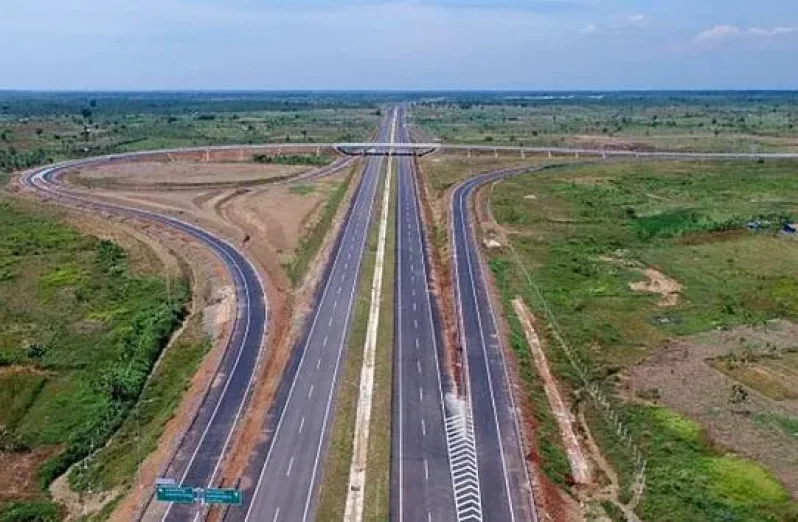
(335, 482)
(378, 475)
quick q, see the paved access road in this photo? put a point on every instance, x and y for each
(286, 470)
(505, 488)
(200, 451)
(421, 481)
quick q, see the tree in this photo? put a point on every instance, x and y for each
(92, 103)
(86, 113)
(39, 132)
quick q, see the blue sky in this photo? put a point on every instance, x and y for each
(421, 44)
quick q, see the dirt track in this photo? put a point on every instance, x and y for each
(184, 173)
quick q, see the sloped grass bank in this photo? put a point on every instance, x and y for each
(81, 334)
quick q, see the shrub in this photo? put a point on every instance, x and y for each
(30, 512)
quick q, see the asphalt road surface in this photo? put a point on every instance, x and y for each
(198, 456)
(421, 481)
(504, 485)
(287, 469)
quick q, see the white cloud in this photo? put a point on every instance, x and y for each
(772, 32)
(723, 32)
(617, 24)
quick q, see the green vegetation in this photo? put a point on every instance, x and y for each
(37, 128)
(691, 480)
(582, 239)
(310, 243)
(743, 122)
(332, 500)
(787, 425)
(80, 336)
(378, 475)
(302, 189)
(291, 159)
(30, 512)
(117, 463)
(11, 159)
(553, 460)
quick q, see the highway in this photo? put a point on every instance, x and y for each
(198, 457)
(421, 481)
(287, 468)
(450, 460)
(505, 488)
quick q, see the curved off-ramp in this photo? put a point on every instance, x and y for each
(203, 447)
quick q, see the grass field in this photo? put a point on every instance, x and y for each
(36, 128)
(572, 225)
(655, 122)
(79, 336)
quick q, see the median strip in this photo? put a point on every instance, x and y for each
(357, 472)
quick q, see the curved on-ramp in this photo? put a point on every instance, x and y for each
(200, 452)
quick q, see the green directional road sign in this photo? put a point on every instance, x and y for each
(223, 496)
(180, 495)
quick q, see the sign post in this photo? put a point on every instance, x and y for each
(176, 494)
(168, 491)
(223, 496)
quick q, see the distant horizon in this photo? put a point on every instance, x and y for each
(392, 91)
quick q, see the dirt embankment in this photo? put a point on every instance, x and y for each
(580, 467)
(436, 226)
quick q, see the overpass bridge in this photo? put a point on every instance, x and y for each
(386, 149)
